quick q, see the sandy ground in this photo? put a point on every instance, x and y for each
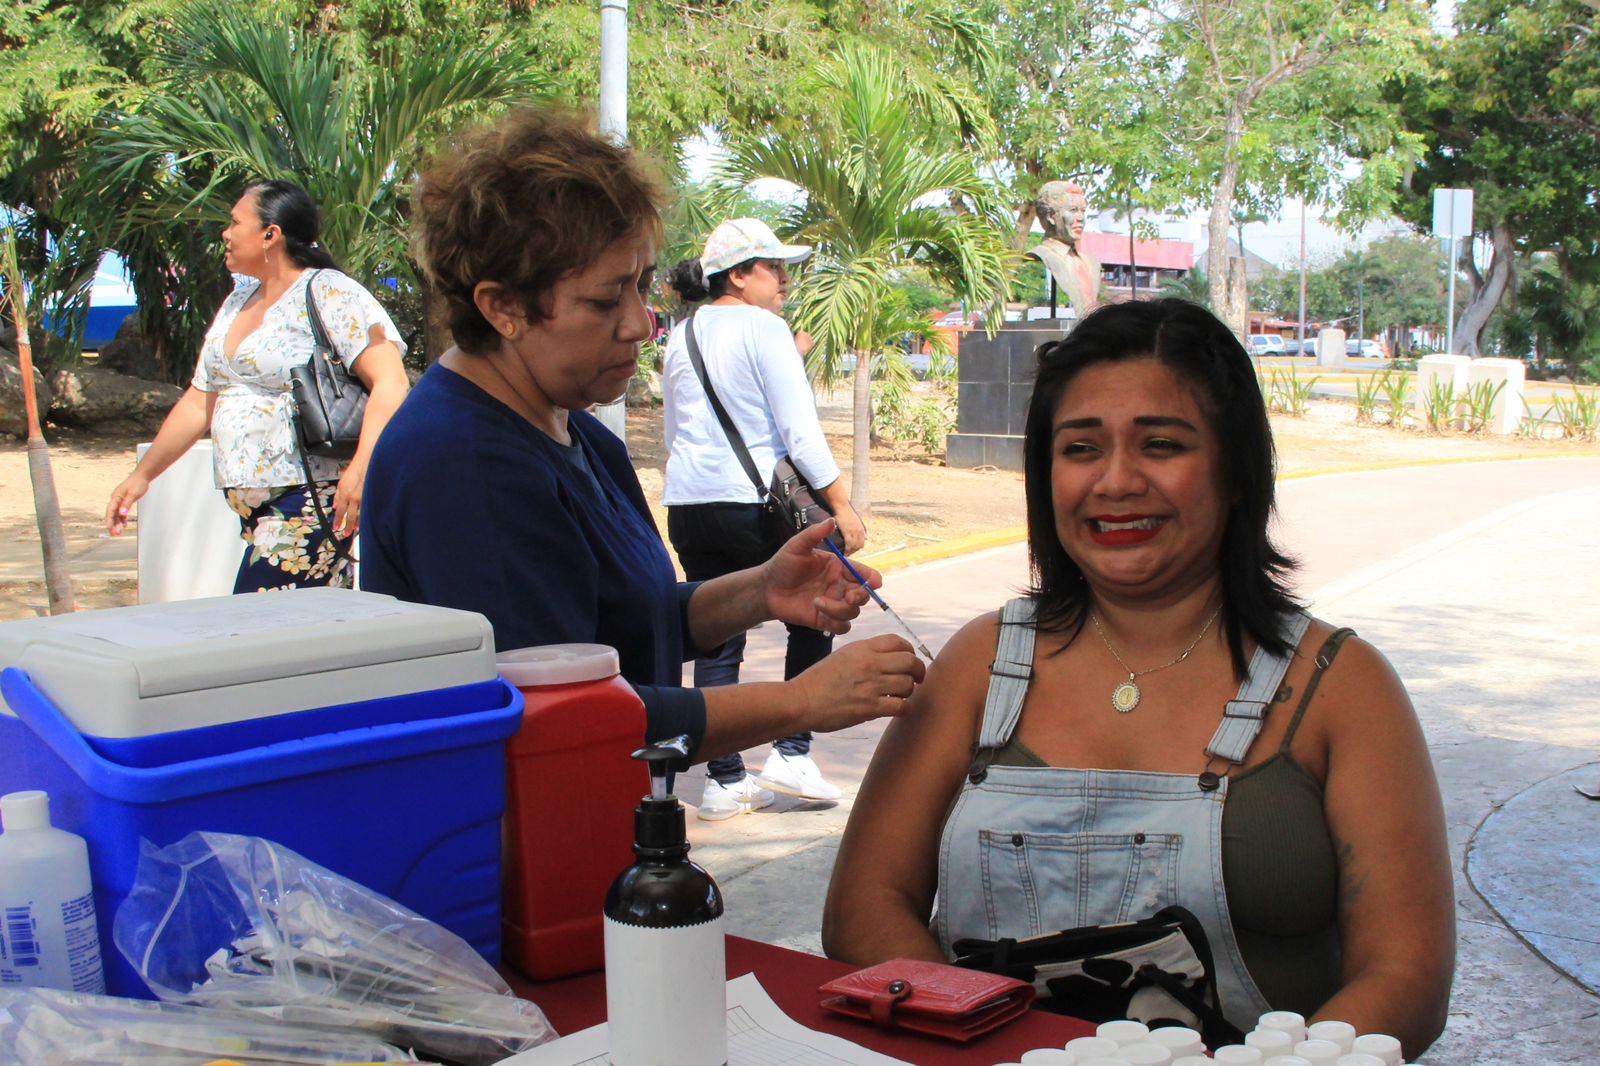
(916, 498)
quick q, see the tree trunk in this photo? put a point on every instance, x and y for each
(1218, 276)
(46, 505)
(1237, 310)
(861, 436)
(1474, 318)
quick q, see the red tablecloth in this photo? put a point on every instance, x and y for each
(791, 978)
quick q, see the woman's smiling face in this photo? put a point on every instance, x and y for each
(1136, 480)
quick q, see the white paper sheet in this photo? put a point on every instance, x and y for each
(759, 1034)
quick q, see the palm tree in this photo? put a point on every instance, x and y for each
(250, 99)
(1191, 286)
(877, 193)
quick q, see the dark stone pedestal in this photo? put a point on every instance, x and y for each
(993, 382)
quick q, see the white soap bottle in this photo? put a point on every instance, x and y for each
(48, 936)
(666, 990)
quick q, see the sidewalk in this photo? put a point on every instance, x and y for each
(1481, 585)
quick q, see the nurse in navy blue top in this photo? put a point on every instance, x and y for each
(491, 490)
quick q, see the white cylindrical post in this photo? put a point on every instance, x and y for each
(614, 124)
(1450, 318)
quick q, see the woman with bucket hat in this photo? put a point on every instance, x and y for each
(715, 515)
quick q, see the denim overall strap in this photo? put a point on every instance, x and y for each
(1010, 673)
(1242, 717)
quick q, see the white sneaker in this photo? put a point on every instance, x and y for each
(796, 775)
(721, 801)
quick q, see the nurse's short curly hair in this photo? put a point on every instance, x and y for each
(525, 202)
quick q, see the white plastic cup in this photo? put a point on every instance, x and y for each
(1237, 1055)
(1084, 1048)
(1289, 1060)
(1341, 1033)
(1123, 1032)
(1357, 1058)
(1103, 1060)
(1192, 1060)
(1270, 1042)
(1048, 1056)
(1179, 1040)
(1286, 1021)
(1381, 1045)
(1146, 1054)
(1319, 1052)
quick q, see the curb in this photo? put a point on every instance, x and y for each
(901, 558)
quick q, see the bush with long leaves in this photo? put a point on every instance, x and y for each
(247, 99)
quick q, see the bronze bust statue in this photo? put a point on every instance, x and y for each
(1061, 207)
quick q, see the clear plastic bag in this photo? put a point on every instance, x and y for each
(244, 925)
(46, 1027)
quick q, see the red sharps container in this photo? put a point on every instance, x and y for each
(572, 787)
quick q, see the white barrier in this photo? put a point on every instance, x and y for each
(1330, 348)
(189, 542)
(1450, 370)
(1509, 406)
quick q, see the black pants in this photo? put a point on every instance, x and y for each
(713, 539)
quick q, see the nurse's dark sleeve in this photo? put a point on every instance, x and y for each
(670, 712)
(686, 590)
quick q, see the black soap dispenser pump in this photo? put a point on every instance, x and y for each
(666, 972)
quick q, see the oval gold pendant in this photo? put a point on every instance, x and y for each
(1126, 697)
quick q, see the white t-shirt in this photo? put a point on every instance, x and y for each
(252, 425)
(760, 378)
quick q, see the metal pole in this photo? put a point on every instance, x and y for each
(614, 124)
(1450, 315)
(1301, 329)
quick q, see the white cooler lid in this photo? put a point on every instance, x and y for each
(160, 667)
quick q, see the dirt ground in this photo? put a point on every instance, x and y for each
(916, 498)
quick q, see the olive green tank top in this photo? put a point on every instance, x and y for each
(1278, 867)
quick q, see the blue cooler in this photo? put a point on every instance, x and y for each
(365, 733)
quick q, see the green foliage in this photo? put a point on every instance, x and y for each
(1393, 284)
(1439, 406)
(1287, 393)
(1512, 113)
(869, 161)
(1477, 405)
(1397, 391)
(243, 99)
(1556, 311)
(1193, 287)
(1577, 415)
(1368, 389)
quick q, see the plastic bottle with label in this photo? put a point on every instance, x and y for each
(666, 972)
(48, 936)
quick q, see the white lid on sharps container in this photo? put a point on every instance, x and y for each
(557, 664)
(24, 810)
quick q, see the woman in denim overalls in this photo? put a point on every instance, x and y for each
(1158, 723)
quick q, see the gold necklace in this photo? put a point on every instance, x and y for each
(1125, 697)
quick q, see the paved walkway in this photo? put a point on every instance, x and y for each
(1481, 583)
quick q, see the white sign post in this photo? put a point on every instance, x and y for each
(1452, 219)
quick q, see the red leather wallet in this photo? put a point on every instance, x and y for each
(927, 997)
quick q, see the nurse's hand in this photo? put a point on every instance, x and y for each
(867, 679)
(806, 584)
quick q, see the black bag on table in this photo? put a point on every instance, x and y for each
(1157, 971)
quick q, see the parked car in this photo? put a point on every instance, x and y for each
(922, 364)
(1364, 349)
(1259, 345)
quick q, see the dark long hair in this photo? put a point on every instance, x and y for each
(287, 206)
(689, 281)
(1203, 352)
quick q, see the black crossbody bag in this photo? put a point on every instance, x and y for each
(329, 405)
(790, 501)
